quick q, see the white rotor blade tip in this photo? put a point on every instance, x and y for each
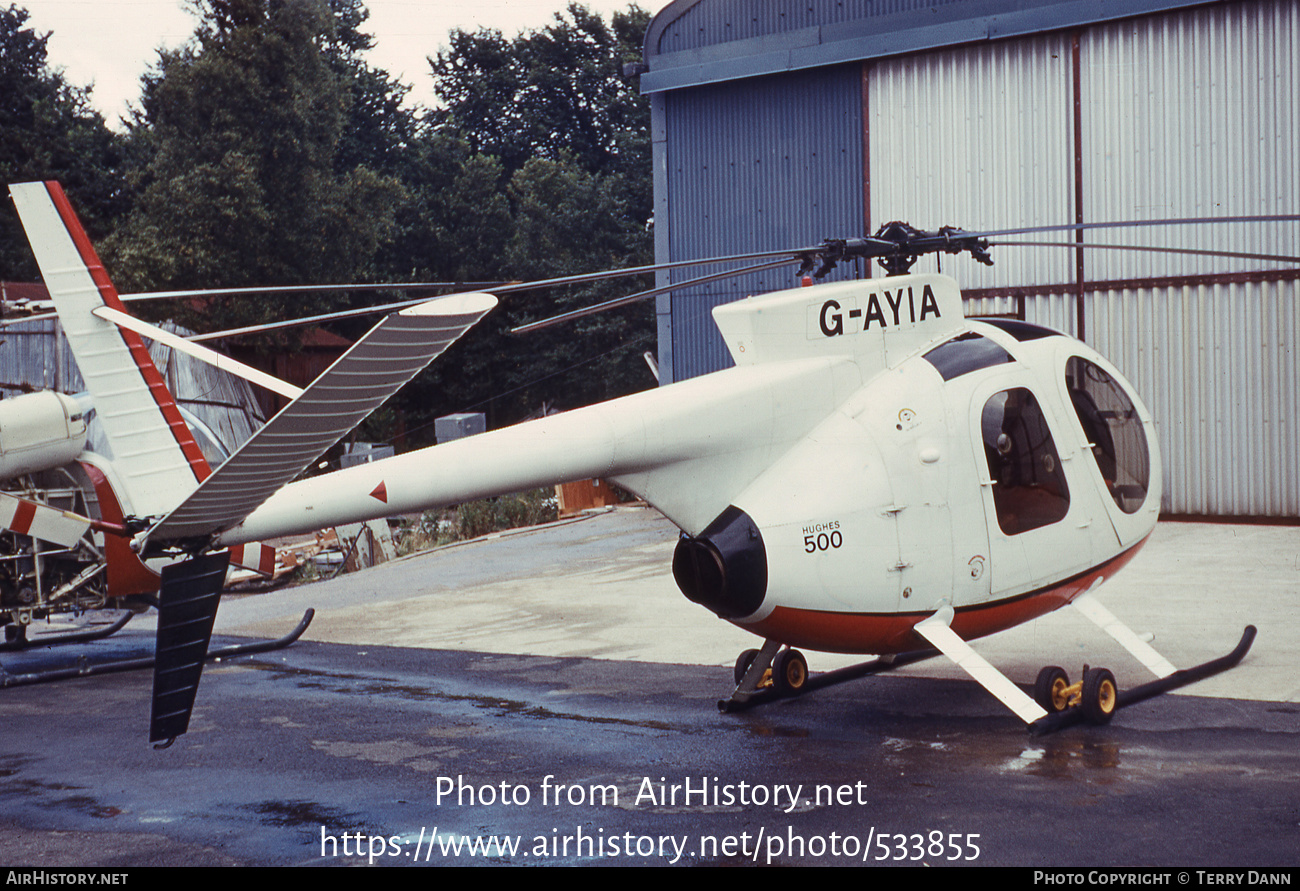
(454, 305)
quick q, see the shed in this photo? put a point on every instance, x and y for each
(782, 123)
(35, 356)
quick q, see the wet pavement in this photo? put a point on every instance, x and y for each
(342, 751)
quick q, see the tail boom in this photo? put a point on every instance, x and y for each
(636, 441)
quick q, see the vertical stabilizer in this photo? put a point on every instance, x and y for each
(153, 449)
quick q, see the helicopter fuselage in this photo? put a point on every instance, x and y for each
(873, 457)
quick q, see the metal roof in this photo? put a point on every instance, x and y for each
(695, 42)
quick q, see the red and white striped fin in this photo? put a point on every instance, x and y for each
(254, 555)
(376, 367)
(42, 521)
(154, 452)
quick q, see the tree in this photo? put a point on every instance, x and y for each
(49, 131)
(562, 220)
(555, 93)
(241, 180)
(457, 220)
(566, 221)
(379, 132)
(538, 166)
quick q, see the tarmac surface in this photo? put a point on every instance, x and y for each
(541, 693)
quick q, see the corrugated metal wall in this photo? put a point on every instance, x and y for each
(1184, 114)
(1192, 114)
(775, 163)
(1217, 366)
(979, 138)
(1198, 114)
(727, 21)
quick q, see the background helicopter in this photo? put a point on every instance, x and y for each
(874, 467)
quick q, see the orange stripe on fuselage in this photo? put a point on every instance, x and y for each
(153, 380)
(884, 633)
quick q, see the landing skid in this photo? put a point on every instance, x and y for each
(1074, 715)
(19, 640)
(85, 669)
(756, 684)
(746, 695)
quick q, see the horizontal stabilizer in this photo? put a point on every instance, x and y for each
(375, 368)
(254, 556)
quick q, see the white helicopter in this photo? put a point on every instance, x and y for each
(877, 474)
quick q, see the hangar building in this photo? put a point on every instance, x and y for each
(781, 123)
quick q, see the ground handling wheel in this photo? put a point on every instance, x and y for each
(743, 661)
(1051, 690)
(789, 672)
(1100, 696)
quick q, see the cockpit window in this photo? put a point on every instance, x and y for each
(1029, 487)
(1021, 331)
(964, 354)
(1114, 431)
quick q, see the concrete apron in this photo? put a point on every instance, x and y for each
(601, 587)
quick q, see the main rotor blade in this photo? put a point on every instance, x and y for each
(310, 320)
(641, 295)
(306, 289)
(495, 287)
(283, 289)
(866, 247)
(1157, 250)
(492, 287)
(654, 267)
(202, 353)
(528, 286)
(506, 289)
(1187, 221)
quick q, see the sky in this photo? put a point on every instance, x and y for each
(110, 43)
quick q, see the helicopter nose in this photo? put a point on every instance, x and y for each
(725, 567)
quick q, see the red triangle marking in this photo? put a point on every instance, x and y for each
(381, 492)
